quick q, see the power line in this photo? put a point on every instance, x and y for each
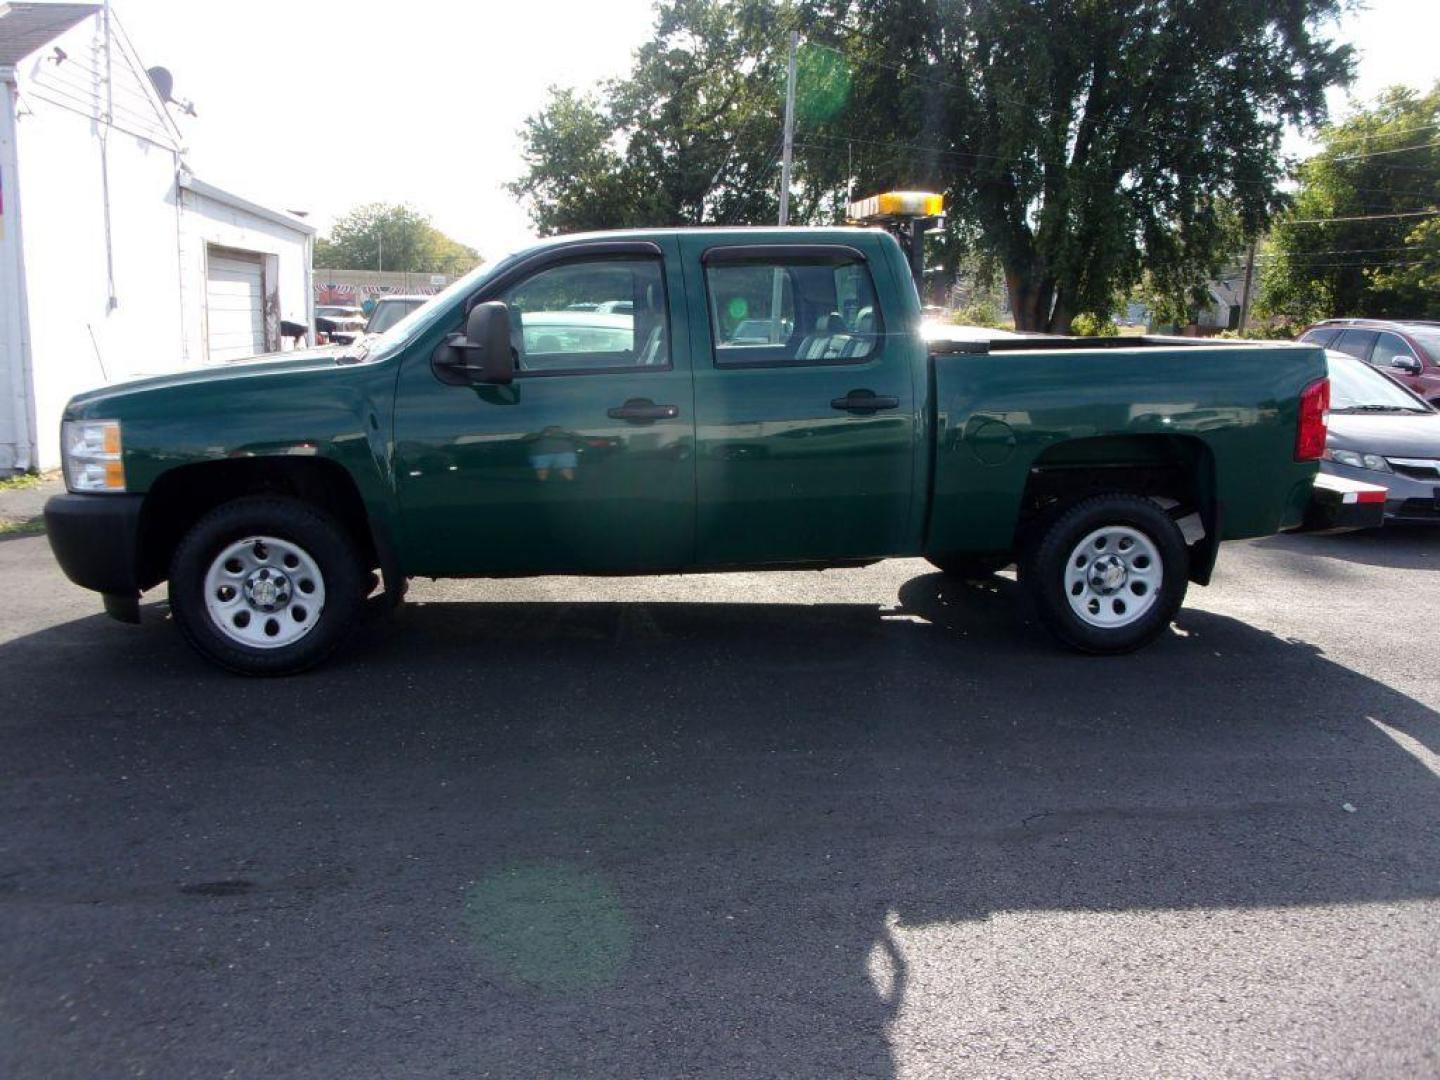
(1338, 251)
(1070, 181)
(1366, 265)
(1335, 129)
(1372, 217)
(1382, 153)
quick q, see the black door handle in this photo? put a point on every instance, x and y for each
(643, 411)
(865, 401)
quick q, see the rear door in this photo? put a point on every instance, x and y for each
(583, 463)
(804, 408)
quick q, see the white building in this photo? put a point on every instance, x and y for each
(116, 261)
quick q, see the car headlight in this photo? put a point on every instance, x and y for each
(1357, 460)
(90, 453)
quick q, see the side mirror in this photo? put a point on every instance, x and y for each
(1406, 363)
(483, 353)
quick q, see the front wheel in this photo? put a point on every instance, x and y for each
(266, 586)
(1109, 574)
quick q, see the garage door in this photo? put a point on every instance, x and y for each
(234, 304)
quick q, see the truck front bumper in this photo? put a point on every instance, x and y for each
(95, 539)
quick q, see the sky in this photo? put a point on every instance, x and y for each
(320, 107)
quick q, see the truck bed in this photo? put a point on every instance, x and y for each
(1011, 408)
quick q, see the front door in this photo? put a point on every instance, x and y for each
(585, 462)
(805, 411)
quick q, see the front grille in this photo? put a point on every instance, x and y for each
(1416, 468)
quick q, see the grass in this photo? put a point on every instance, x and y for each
(29, 527)
(21, 481)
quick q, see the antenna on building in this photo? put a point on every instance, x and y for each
(164, 84)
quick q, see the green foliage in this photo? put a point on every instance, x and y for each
(1080, 143)
(28, 527)
(392, 237)
(1264, 331)
(1088, 324)
(980, 313)
(21, 481)
(1077, 144)
(690, 137)
(1380, 161)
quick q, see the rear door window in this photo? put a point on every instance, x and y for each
(1318, 337)
(1355, 342)
(792, 310)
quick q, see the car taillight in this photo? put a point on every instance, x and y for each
(1310, 435)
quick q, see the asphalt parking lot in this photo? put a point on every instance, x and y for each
(852, 823)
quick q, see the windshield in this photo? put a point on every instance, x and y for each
(389, 312)
(1354, 385)
(1429, 336)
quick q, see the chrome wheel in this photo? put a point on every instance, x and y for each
(1113, 576)
(264, 592)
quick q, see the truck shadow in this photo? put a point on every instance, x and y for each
(539, 839)
(1401, 547)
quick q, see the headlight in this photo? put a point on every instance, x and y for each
(1355, 460)
(90, 452)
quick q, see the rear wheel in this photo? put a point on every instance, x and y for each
(266, 586)
(1109, 574)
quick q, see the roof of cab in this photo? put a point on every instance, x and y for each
(746, 233)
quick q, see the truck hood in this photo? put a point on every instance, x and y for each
(1415, 435)
(302, 360)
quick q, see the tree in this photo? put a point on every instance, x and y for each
(1359, 241)
(690, 137)
(392, 237)
(1080, 142)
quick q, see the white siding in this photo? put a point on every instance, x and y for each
(111, 297)
(16, 441)
(78, 82)
(79, 338)
(234, 304)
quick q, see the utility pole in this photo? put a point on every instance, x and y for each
(1245, 290)
(789, 131)
(380, 258)
(777, 284)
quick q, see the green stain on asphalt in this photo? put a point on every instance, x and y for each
(549, 927)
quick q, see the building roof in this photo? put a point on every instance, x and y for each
(24, 28)
(190, 182)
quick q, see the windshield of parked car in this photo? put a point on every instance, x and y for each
(1428, 336)
(1357, 387)
(389, 312)
(424, 315)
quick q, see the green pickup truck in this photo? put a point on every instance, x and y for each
(673, 401)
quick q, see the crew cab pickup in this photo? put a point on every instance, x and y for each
(679, 401)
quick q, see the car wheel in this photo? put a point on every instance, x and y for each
(969, 567)
(266, 585)
(1107, 575)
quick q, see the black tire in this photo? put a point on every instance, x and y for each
(310, 528)
(1044, 567)
(969, 567)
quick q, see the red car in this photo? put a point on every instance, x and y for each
(1408, 350)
